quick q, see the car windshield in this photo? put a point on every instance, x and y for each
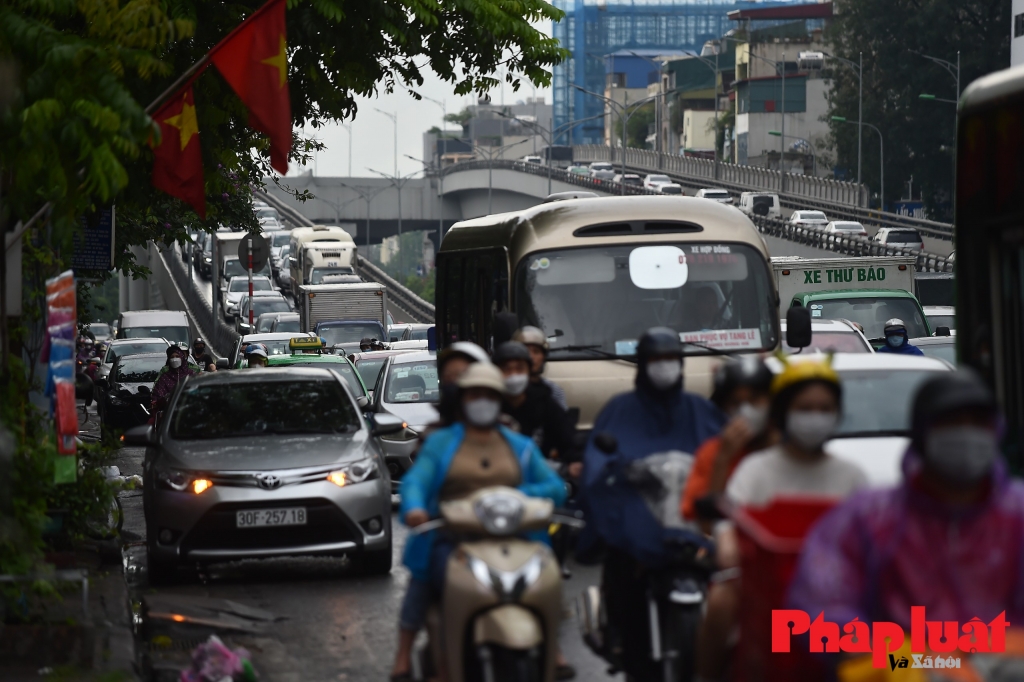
(349, 333)
(275, 347)
(318, 274)
(369, 369)
(123, 350)
(99, 328)
(872, 314)
(265, 304)
(936, 321)
(903, 237)
(231, 410)
(287, 326)
(671, 189)
(716, 194)
(264, 324)
(417, 334)
(658, 178)
(342, 368)
(855, 227)
(412, 383)
(714, 295)
(173, 334)
(232, 268)
(280, 238)
(139, 370)
(840, 342)
(243, 285)
(878, 402)
(266, 213)
(942, 351)
(813, 215)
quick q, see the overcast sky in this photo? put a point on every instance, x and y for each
(373, 133)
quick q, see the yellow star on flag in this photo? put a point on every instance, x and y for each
(185, 122)
(280, 62)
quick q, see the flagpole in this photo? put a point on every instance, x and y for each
(196, 68)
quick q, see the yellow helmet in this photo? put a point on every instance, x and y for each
(798, 372)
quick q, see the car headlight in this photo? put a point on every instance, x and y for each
(499, 513)
(509, 585)
(356, 472)
(181, 481)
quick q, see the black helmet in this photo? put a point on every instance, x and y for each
(199, 342)
(946, 392)
(747, 371)
(659, 341)
(511, 350)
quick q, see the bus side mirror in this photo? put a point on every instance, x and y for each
(222, 363)
(798, 327)
(942, 331)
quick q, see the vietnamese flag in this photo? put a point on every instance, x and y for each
(177, 161)
(254, 61)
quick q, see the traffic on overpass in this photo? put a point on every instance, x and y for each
(530, 342)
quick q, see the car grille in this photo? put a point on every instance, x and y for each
(217, 529)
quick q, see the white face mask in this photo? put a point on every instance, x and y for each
(175, 363)
(515, 384)
(810, 429)
(664, 373)
(756, 417)
(482, 412)
(961, 453)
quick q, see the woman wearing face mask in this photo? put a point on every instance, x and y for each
(805, 409)
(476, 452)
(532, 405)
(175, 370)
(948, 537)
(742, 390)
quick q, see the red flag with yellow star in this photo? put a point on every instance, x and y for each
(177, 161)
(254, 61)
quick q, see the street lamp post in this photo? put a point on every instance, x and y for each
(881, 158)
(367, 196)
(859, 66)
(657, 105)
(624, 113)
(954, 71)
(440, 196)
(440, 166)
(394, 119)
(348, 129)
(490, 153)
(398, 181)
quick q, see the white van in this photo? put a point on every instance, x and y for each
(320, 259)
(155, 324)
(760, 203)
(302, 237)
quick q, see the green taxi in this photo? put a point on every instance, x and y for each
(307, 351)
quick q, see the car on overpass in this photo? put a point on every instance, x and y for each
(844, 228)
(602, 170)
(715, 194)
(900, 238)
(808, 219)
(265, 463)
(629, 179)
(669, 188)
(652, 180)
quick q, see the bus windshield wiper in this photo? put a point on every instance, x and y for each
(713, 351)
(596, 349)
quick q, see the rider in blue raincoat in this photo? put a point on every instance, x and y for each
(657, 417)
(896, 339)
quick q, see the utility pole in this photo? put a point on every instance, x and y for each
(398, 181)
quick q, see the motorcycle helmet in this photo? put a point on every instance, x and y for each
(483, 375)
(511, 350)
(945, 393)
(795, 376)
(532, 336)
(747, 371)
(659, 341)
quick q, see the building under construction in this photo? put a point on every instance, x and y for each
(593, 29)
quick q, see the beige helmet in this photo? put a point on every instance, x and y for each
(531, 336)
(483, 375)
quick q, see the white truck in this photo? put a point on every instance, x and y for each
(343, 314)
(867, 290)
(304, 251)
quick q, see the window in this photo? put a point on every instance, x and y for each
(472, 289)
(243, 285)
(233, 410)
(412, 383)
(139, 370)
(348, 333)
(903, 237)
(123, 350)
(172, 334)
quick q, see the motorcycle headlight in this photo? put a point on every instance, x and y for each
(509, 585)
(499, 513)
(356, 472)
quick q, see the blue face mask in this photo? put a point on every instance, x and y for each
(895, 340)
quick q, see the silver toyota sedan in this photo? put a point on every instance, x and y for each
(264, 463)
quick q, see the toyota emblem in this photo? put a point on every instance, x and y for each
(268, 481)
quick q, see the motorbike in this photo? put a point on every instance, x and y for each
(86, 365)
(676, 590)
(502, 594)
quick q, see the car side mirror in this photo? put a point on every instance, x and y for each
(362, 401)
(798, 327)
(386, 424)
(222, 363)
(606, 443)
(393, 339)
(139, 435)
(942, 331)
(94, 361)
(102, 383)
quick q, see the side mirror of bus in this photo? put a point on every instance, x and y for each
(222, 363)
(798, 327)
